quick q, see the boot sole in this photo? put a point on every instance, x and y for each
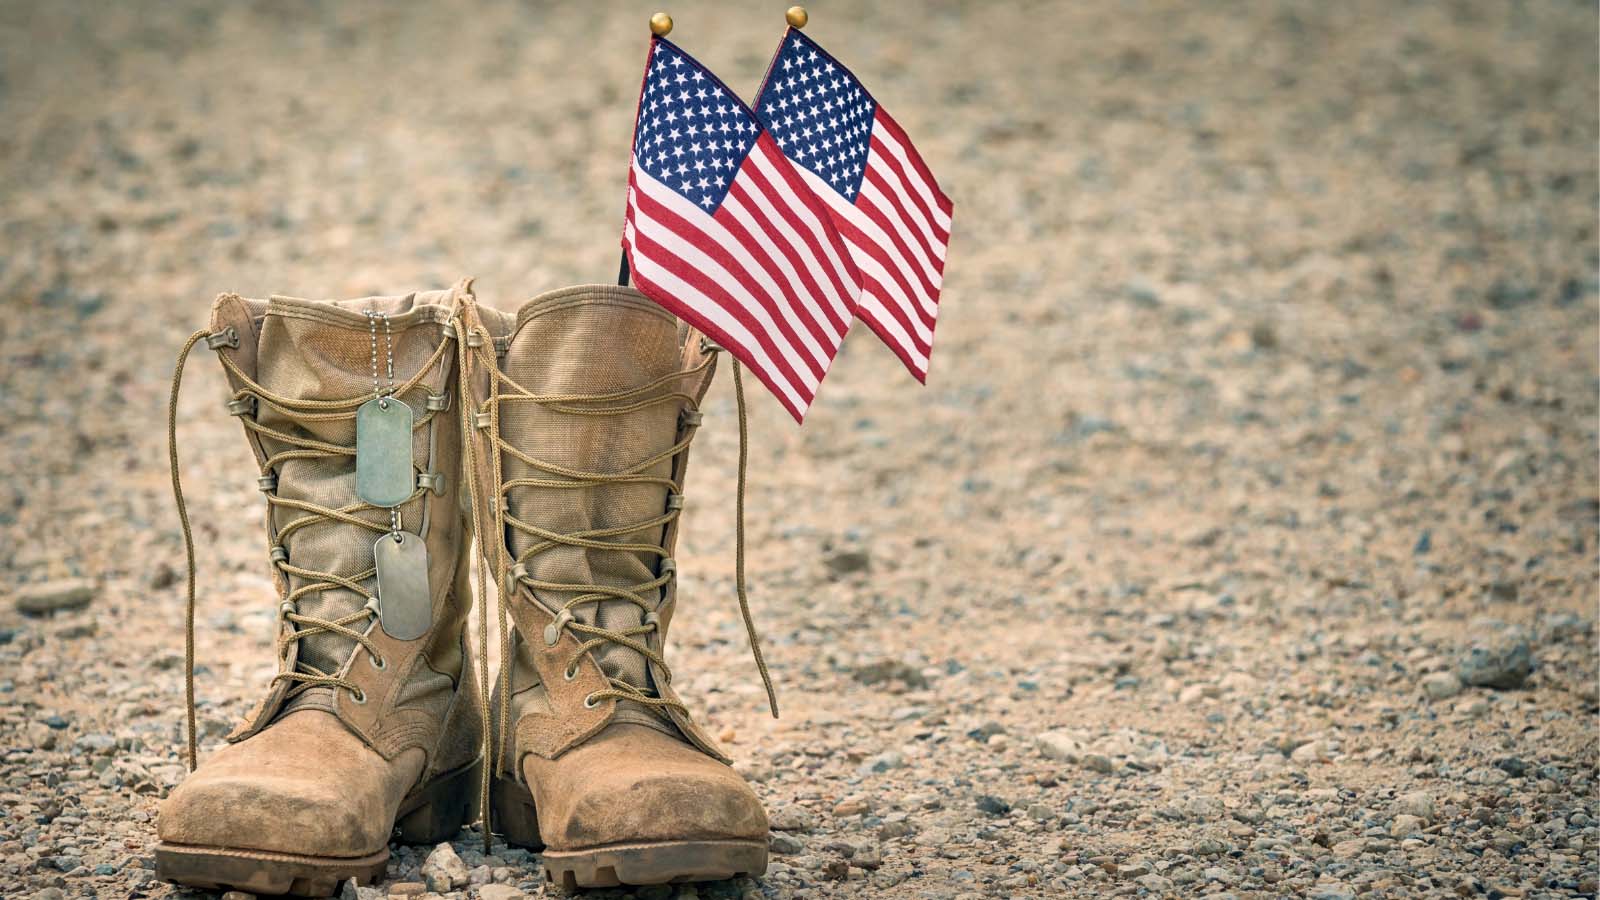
(663, 862)
(431, 815)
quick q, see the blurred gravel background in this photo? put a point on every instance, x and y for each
(1242, 544)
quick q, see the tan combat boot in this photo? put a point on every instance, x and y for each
(583, 431)
(373, 721)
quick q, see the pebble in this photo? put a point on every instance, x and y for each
(787, 844)
(500, 892)
(1441, 685)
(444, 871)
(45, 597)
(1502, 660)
(792, 817)
(1059, 746)
(846, 808)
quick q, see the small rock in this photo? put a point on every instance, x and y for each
(238, 895)
(1441, 685)
(444, 871)
(1349, 849)
(1415, 803)
(867, 857)
(1059, 746)
(1097, 762)
(1310, 752)
(1330, 892)
(1502, 661)
(793, 817)
(785, 844)
(846, 808)
(1040, 813)
(993, 805)
(500, 892)
(1405, 825)
(45, 597)
(848, 562)
(1155, 884)
(408, 889)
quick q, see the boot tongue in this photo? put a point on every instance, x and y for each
(592, 340)
(323, 351)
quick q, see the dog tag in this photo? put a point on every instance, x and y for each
(384, 476)
(405, 606)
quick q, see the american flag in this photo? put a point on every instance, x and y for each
(889, 209)
(721, 230)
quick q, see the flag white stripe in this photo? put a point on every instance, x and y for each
(675, 244)
(871, 266)
(870, 229)
(714, 230)
(690, 296)
(872, 308)
(913, 211)
(842, 303)
(916, 183)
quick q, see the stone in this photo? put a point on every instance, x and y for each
(1415, 803)
(867, 857)
(238, 895)
(848, 562)
(1501, 660)
(1155, 884)
(1440, 685)
(500, 892)
(444, 871)
(407, 889)
(994, 806)
(793, 817)
(1098, 762)
(1349, 849)
(846, 808)
(785, 844)
(44, 597)
(1310, 752)
(1059, 746)
(1405, 825)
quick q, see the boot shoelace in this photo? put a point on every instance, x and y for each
(514, 572)
(303, 675)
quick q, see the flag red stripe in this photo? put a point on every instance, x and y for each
(894, 286)
(765, 252)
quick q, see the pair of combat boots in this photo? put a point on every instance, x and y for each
(389, 432)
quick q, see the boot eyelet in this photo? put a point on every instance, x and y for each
(358, 696)
(570, 673)
(590, 702)
(378, 662)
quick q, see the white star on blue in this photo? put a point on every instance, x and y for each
(819, 114)
(693, 134)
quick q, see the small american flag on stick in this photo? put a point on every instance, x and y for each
(885, 201)
(722, 231)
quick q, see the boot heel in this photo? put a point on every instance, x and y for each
(513, 814)
(444, 807)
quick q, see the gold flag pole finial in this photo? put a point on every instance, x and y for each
(797, 17)
(660, 24)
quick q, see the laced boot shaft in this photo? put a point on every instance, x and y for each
(584, 406)
(371, 706)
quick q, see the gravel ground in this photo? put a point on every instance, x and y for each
(1242, 544)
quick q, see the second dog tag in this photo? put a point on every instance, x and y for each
(405, 605)
(384, 476)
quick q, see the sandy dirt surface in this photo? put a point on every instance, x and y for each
(1242, 543)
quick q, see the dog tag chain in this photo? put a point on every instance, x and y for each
(385, 477)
